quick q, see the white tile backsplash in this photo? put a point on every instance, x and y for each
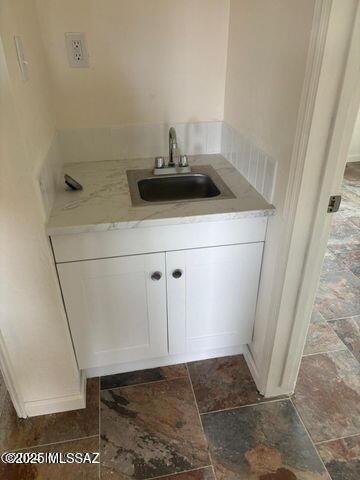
(194, 138)
(255, 165)
(270, 179)
(50, 175)
(213, 137)
(226, 141)
(260, 173)
(136, 141)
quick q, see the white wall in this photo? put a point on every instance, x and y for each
(268, 44)
(36, 114)
(32, 319)
(354, 152)
(152, 61)
(267, 56)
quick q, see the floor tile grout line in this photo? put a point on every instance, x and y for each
(49, 444)
(353, 355)
(338, 438)
(178, 473)
(326, 351)
(333, 320)
(310, 438)
(331, 325)
(345, 349)
(200, 420)
(343, 270)
(341, 318)
(143, 383)
(212, 468)
(247, 405)
(349, 220)
(333, 249)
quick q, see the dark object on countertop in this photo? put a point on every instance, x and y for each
(73, 184)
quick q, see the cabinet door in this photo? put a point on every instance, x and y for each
(116, 311)
(212, 294)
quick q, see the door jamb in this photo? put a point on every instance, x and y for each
(327, 116)
(333, 173)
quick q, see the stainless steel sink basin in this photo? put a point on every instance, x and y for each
(203, 183)
(177, 187)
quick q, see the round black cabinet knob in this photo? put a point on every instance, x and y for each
(156, 276)
(177, 273)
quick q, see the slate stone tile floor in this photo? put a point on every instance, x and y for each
(206, 420)
(167, 423)
(327, 394)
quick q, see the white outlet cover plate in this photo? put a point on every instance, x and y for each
(76, 49)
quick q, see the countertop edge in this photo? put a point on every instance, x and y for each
(106, 227)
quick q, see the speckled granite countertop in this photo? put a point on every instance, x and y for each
(105, 203)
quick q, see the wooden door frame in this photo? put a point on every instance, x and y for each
(327, 115)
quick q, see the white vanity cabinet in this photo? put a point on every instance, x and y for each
(211, 294)
(116, 311)
(171, 293)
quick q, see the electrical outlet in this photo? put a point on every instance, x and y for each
(76, 50)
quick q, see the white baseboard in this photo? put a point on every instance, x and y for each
(353, 158)
(163, 361)
(253, 370)
(59, 404)
(278, 392)
(274, 392)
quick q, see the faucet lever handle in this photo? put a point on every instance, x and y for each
(183, 161)
(159, 162)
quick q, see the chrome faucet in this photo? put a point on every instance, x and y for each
(172, 146)
(182, 166)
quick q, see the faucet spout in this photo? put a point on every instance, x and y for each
(180, 166)
(172, 146)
